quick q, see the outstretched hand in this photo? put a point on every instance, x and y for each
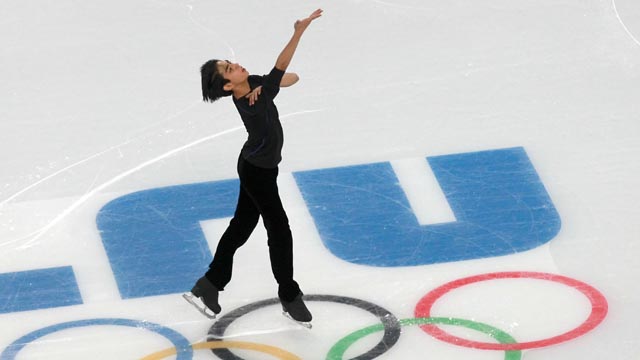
(302, 24)
(284, 59)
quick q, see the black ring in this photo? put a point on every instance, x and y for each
(390, 322)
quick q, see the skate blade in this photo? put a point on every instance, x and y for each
(305, 324)
(196, 302)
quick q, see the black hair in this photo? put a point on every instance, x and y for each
(212, 82)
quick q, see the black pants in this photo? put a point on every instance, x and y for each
(258, 197)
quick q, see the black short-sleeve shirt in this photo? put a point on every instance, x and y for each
(263, 148)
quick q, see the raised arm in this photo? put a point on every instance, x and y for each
(284, 59)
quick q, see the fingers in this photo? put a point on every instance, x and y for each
(253, 96)
(316, 14)
(301, 25)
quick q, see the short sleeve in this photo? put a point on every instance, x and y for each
(271, 82)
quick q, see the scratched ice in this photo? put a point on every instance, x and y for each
(100, 104)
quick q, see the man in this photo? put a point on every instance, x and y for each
(258, 170)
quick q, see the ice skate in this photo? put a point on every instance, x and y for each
(297, 311)
(204, 297)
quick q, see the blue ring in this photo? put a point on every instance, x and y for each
(182, 345)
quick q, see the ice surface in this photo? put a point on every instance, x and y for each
(100, 100)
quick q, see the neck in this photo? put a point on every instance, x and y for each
(241, 90)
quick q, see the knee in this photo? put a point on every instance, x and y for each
(245, 221)
(241, 228)
(280, 236)
(280, 242)
(277, 225)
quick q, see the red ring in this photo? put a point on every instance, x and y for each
(599, 308)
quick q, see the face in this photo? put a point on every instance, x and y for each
(232, 71)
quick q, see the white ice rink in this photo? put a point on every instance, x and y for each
(464, 173)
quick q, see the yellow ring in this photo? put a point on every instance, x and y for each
(267, 349)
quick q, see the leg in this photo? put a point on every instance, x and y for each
(261, 185)
(240, 228)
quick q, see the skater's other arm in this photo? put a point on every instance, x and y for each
(289, 79)
(284, 59)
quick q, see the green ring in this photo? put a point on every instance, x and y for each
(338, 350)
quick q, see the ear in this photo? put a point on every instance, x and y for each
(228, 86)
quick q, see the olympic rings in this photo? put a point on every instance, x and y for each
(599, 308)
(180, 343)
(338, 350)
(267, 349)
(390, 323)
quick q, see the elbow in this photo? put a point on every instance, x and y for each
(282, 65)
